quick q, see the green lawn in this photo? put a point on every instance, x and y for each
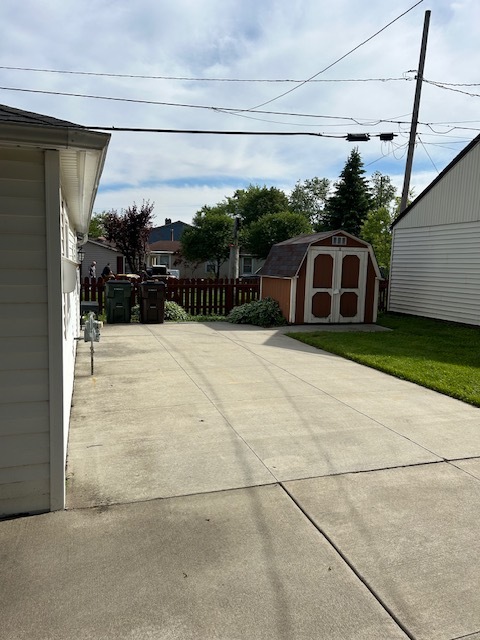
(435, 354)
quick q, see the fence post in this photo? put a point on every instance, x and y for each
(229, 292)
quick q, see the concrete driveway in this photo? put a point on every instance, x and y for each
(226, 482)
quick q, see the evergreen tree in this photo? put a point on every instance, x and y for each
(351, 201)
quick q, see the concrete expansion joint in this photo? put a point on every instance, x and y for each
(106, 505)
(350, 565)
(469, 635)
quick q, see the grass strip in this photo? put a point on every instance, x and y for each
(438, 355)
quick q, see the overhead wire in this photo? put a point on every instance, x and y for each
(361, 122)
(429, 156)
(262, 104)
(193, 79)
(234, 110)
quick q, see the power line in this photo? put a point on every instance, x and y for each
(361, 122)
(429, 156)
(192, 79)
(340, 136)
(451, 88)
(358, 121)
(101, 74)
(338, 60)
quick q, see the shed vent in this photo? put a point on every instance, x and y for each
(339, 240)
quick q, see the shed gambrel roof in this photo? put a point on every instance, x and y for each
(440, 177)
(285, 258)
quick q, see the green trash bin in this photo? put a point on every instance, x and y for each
(152, 302)
(118, 298)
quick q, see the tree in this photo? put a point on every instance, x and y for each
(310, 198)
(376, 230)
(209, 238)
(271, 228)
(129, 231)
(383, 191)
(97, 225)
(348, 206)
(255, 202)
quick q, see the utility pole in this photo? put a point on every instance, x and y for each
(235, 250)
(416, 107)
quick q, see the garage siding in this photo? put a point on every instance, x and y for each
(452, 200)
(436, 272)
(24, 408)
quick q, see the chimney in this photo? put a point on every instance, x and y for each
(168, 221)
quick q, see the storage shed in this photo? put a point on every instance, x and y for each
(435, 266)
(328, 277)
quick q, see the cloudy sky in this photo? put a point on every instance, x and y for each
(215, 61)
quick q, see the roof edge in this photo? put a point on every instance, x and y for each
(440, 176)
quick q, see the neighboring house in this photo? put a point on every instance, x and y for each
(49, 174)
(171, 231)
(327, 277)
(102, 253)
(435, 266)
(168, 253)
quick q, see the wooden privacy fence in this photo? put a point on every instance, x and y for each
(383, 295)
(196, 296)
(201, 297)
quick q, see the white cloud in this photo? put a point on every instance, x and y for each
(251, 39)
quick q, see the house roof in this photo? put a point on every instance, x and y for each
(82, 155)
(10, 114)
(104, 245)
(171, 246)
(165, 231)
(440, 176)
(285, 258)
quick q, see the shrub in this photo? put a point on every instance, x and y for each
(262, 313)
(135, 313)
(175, 312)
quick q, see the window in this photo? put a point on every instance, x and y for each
(339, 240)
(161, 260)
(247, 266)
(210, 267)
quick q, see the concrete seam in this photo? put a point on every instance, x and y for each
(349, 564)
(469, 635)
(107, 505)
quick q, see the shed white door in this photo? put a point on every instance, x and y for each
(335, 285)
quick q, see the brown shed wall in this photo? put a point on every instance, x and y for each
(279, 290)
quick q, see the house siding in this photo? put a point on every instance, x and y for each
(24, 407)
(435, 271)
(101, 255)
(453, 200)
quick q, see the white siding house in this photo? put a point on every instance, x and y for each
(49, 174)
(435, 266)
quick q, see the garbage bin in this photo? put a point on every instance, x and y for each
(152, 302)
(118, 298)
